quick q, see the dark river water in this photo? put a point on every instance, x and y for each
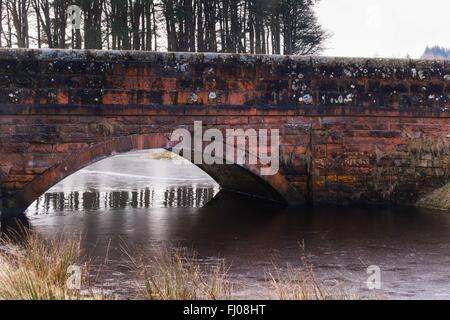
(143, 201)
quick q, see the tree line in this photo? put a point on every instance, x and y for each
(436, 52)
(235, 26)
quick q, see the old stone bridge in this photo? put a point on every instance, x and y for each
(352, 130)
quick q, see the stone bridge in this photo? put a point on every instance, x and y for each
(351, 130)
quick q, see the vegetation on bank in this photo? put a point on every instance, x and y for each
(301, 284)
(178, 275)
(37, 269)
(438, 199)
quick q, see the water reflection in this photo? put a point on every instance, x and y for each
(14, 227)
(134, 180)
(58, 202)
(149, 202)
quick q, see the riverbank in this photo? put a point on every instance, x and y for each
(438, 199)
(56, 269)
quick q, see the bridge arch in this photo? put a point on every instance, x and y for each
(236, 178)
(351, 130)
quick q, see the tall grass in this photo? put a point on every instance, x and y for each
(300, 283)
(37, 268)
(178, 275)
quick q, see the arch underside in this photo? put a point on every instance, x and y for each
(238, 179)
(242, 179)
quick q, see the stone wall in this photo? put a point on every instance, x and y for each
(352, 130)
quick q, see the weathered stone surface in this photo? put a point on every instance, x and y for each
(352, 130)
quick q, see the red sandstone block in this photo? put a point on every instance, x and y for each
(142, 97)
(27, 171)
(62, 97)
(316, 123)
(56, 119)
(233, 71)
(354, 141)
(129, 68)
(40, 148)
(339, 148)
(120, 83)
(334, 138)
(293, 140)
(134, 83)
(11, 160)
(297, 151)
(240, 85)
(16, 96)
(232, 120)
(203, 98)
(287, 129)
(18, 178)
(148, 141)
(141, 120)
(117, 97)
(221, 98)
(165, 98)
(189, 120)
(322, 163)
(13, 186)
(236, 98)
(320, 151)
(7, 120)
(301, 122)
(357, 162)
(362, 148)
(14, 147)
(335, 179)
(275, 122)
(169, 84)
(381, 125)
(183, 98)
(394, 149)
(318, 183)
(66, 147)
(359, 171)
(334, 123)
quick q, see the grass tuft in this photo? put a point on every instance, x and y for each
(301, 284)
(37, 269)
(178, 275)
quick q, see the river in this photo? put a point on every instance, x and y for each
(145, 201)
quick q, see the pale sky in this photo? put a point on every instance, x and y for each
(384, 28)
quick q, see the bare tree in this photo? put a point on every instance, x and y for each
(237, 26)
(1, 22)
(18, 10)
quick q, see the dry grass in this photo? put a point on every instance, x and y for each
(301, 284)
(178, 275)
(37, 269)
(438, 199)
